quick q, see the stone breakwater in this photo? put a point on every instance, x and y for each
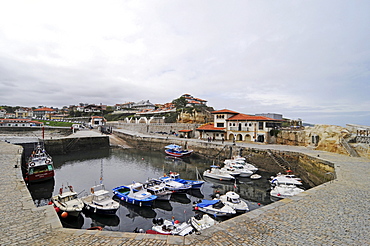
(334, 213)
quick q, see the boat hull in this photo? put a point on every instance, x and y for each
(100, 211)
(178, 154)
(124, 196)
(40, 177)
(219, 177)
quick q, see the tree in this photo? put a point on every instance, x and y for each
(180, 102)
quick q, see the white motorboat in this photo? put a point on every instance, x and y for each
(255, 176)
(214, 207)
(174, 186)
(288, 179)
(202, 221)
(240, 169)
(167, 227)
(241, 161)
(216, 173)
(99, 201)
(67, 201)
(158, 189)
(284, 191)
(233, 200)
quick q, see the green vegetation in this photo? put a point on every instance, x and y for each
(180, 103)
(56, 123)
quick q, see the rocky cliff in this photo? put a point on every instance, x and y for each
(194, 117)
(323, 137)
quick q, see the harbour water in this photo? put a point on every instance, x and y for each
(123, 166)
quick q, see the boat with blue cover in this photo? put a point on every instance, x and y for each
(214, 207)
(134, 193)
(195, 184)
(173, 185)
(177, 151)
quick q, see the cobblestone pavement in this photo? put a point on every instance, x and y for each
(335, 213)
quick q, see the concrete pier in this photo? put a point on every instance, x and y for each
(334, 213)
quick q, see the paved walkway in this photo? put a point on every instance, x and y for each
(335, 213)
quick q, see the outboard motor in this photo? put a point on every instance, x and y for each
(160, 221)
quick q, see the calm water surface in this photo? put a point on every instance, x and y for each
(123, 166)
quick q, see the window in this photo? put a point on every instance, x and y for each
(220, 124)
(260, 125)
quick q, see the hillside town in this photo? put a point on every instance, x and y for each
(185, 109)
(203, 122)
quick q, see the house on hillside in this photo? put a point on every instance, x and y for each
(144, 104)
(96, 121)
(43, 113)
(124, 106)
(2, 113)
(23, 113)
(10, 115)
(234, 126)
(193, 101)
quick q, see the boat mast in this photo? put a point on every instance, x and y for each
(101, 172)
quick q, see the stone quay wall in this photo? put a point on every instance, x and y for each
(71, 144)
(156, 127)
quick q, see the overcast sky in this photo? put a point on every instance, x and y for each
(302, 59)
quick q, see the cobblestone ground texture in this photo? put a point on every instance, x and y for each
(335, 213)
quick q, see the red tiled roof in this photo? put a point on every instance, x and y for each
(185, 130)
(250, 117)
(210, 127)
(224, 111)
(44, 109)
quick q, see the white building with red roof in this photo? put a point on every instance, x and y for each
(231, 125)
(96, 121)
(193, 101)
(43, 113)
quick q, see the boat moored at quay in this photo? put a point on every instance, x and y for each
(39, 166)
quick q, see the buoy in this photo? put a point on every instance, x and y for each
(176, 221)
(57, 209)
(49, 203)
(64, 215)
(142, 158)
(196, 208)
(259, 204)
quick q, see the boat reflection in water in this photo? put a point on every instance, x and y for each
(41, 192)
(195, 193)
(180, 198)
(73, 221)
(101, 220)
(135, 211)
(162, 204)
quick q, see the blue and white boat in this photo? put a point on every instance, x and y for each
(174, 186)
(214, 207)
(195, 184)
(177, 151)
(134, 194)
